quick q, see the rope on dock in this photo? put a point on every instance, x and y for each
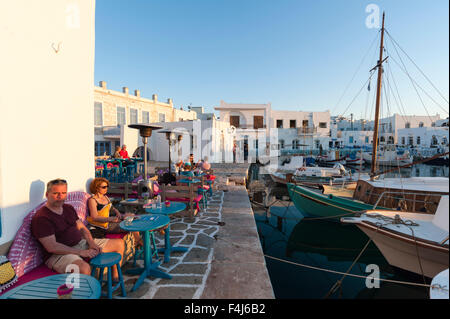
(444, 288)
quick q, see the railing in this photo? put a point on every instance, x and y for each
(306, 130)
(111, 130)
(414, 200)
(250, 126)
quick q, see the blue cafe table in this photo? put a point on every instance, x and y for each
(175, 207)
(147, 224)
(85, 287)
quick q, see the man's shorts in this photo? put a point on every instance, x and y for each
(60, 263)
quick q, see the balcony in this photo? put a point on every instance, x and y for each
(306, 130)
(250, 126)
(111, 131)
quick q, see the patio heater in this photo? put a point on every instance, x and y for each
(145, 130)
(172, 136)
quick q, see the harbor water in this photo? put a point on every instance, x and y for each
(306, 257)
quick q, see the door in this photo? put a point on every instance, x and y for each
(258, 122)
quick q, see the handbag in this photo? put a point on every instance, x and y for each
(8, 276)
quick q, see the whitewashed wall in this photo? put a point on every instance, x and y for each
(46, 99)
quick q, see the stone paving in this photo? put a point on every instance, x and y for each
(225, 259)
(189, 269)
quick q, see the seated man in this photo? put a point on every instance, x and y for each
(64, 237)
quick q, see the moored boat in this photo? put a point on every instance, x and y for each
(415, 242)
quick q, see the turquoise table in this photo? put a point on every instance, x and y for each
(45, 288)
(188, 181)
(147, 224)
(175, 207)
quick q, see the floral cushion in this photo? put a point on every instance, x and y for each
(25, 253)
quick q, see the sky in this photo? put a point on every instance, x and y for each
(295, 54)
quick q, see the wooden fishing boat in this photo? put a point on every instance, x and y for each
(415, 242)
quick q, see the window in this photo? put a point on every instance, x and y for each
(421, 124)
(366, 139)
(403, 140)
(390, 139)
(434, 140)
(162, 117)
(295, 144)
(433, 124)
(323, 124)
(102, 148)
(279, 123)
(410, 140)
(382, 139)
(350, 139)
(145, 117)
(258, 122)
(234, 120)
(133, 116)
(292, 123)
(121, 119)
(317, 143)
(98, 114)
(281, 144)
(418, 140)
(407, 125)
(305, 123)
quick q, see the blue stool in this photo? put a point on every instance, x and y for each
(202, 191)
(108, 260)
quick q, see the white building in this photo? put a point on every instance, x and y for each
(47, 66)
(262, 132)
(424, 137)
(389, 126)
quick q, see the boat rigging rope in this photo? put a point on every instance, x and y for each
(436, 286)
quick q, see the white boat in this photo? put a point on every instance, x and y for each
(331, 158)
(415, 242)
(314, 176)
(440, 285)
(387, 156)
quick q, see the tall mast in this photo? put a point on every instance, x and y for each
(377, 106)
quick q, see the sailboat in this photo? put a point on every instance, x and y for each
(415, 242)
(396, 193)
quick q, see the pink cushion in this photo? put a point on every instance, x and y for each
(38, 272)
(25, 253)
(196, 200)
(116, 236)
(204, 187)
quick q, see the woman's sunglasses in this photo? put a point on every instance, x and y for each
(103, 187)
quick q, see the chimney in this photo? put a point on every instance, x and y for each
(155, 97)
(137, 93)
(125, 90)
(169, 101)
(103, 84)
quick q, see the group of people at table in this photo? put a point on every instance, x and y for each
(67, 241)
(189, 165)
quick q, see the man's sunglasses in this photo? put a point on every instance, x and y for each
(57, 181)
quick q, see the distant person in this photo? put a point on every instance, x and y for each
(234, 152)
(205, 165)
(64, 237)
(124, 153)
(117, 153)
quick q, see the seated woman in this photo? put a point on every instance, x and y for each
(100, 221)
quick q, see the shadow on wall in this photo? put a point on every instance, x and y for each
(36, 197)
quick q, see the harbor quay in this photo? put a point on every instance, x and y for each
(224, 259)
